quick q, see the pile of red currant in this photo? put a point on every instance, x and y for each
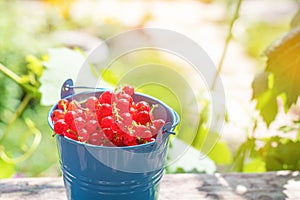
(112, 119)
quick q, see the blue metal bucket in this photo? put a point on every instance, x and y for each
(114, 173)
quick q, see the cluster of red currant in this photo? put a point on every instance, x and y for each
(113, 119)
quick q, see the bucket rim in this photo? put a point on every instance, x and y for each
(172, 111)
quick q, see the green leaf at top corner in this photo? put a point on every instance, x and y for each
(284, 63)
(283, 66)
(296, 19)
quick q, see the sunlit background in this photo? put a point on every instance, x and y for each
(34, 32)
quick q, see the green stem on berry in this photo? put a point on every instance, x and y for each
(19, 111)
(152, 108)
(115, 111)
(227, 41)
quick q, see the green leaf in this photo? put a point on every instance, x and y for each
(244, 152)
(239, 158)
(286, 129)
(267, 105)
(289, 153)
(282, 155)
(63, 64)
(266, 99)
(260, 84)
(35, 65)
(7, 169)
(283, 62)
(296, 19)
(273, 163)
(221, 154)
(280, 78)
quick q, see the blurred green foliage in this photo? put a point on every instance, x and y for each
(279, 77)
(278, 81)
(24, 42)
(20, 37)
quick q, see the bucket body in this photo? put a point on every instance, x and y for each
(114, 173)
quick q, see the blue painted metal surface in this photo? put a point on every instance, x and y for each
(114, 173)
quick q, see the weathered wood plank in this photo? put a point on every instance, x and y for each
(274, 185)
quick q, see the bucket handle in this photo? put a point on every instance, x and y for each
(176, 119)
(67, 89)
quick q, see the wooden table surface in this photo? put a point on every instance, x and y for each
(265, 186)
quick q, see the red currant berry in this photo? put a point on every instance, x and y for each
(142, 106)
(128, 90)
(80, 113)
(60, 127)
(109, 134)
(158, 124)
(153, 130)
(132, 110)
(78, 124)
(73, 105)
(115, 127)
(71, 134)
(139, 130)
(106, 122)
(92, 103)
(118, 140)
(122, 106)
(104, 110)
(129, 140)
(142, 117)
(127, 97)
(83, 135)
(126, 119)
(95, 139)
(90, 116)
(63, 104)
(69, 117)
(92, 126)
(146, 135)
(57, 115)
(106, 97)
